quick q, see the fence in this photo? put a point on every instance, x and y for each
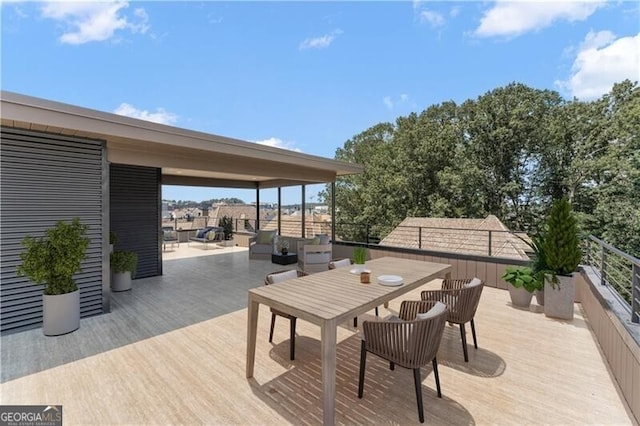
(617, 270)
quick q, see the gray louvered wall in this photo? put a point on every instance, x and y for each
(135, 214)
(47, 178)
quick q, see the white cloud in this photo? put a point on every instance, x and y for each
(320, 42)
(160, 116)
(455, 11)
(96, 21)
(512, 18)
(278, 143)
(391, 102)
(432, 18)
(601, 61)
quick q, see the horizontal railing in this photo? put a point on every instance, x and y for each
(617, 270)
(476, 241)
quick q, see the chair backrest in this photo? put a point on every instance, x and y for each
(279, 276)
(339, 263)
(468, 292)
(408, 343)
(265, 237)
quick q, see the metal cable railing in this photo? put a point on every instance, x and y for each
(617, 270)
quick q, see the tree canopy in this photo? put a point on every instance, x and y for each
(511, 152)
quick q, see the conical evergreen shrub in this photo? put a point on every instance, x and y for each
(561, 243)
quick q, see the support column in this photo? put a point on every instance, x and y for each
(304, 214)
(257, 208)
(333, 211)
(279, 211)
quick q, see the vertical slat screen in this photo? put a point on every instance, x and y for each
(47, 178)
(135, 214)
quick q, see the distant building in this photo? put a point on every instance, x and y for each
(467, 236)
(291, 225)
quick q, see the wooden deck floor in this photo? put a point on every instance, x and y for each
(173, 352)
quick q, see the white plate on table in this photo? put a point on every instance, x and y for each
(390, 280)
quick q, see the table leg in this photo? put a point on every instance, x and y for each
(329, 330)
(252, 331)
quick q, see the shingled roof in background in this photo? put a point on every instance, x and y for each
(468, 236)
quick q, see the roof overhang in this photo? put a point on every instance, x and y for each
(186, 157)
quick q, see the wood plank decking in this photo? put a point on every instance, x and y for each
(173, 352)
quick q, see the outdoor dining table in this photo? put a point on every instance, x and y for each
(332, 297)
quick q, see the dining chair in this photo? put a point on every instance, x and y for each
(410, 342)
(342, 263)
(462, 297)
(273, 278)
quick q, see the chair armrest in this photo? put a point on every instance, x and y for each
(312, 248)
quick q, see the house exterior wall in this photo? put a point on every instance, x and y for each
(46, 178)
(135, 207)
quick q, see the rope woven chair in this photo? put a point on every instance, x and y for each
(410, 342)
(273, 278)
(341, 263)
(462, 298)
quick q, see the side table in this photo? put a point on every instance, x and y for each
(284, 259)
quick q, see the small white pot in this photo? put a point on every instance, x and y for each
(121, 281)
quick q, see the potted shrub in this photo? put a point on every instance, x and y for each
(562, 255)
(226, 223)
(113, 240)
(283, 246)
(359, 259)
(123, 266)
(52, 260)
(523, 284)
(538, 266)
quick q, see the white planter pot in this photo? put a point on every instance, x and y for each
(558, 302)
(520, 297)
(120, 281)
(358, 268)
(60, 313)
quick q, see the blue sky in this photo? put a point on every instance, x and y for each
(308, 75)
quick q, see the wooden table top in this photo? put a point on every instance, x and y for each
(338, 294)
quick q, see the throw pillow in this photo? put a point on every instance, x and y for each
(324, 239)
(283, 276)
(200, 233)
(474, 282)
(265, 237)
(341, 263)
(315, 241)
(436, 309)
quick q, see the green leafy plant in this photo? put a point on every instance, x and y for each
(539, 268)
(123, 261)
(113, 238)
(561, 245)
(520, 277)
(226, 223)
(359, 255)
(52, 260)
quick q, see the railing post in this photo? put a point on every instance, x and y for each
(420, 237)
(603, 263)
(490, 238)
(635, 294)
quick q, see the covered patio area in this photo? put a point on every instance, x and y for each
(172, 351)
